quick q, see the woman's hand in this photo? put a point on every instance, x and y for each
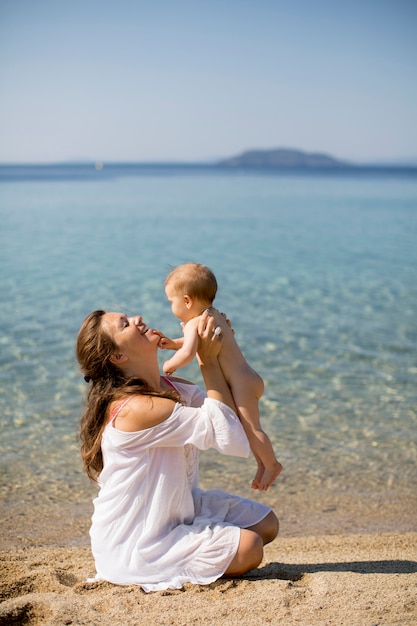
(209, 341)
(209, 346)
(221, 320)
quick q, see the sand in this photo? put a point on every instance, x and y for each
(368, 579)
(341, 558)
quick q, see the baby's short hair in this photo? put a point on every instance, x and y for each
(194, 280)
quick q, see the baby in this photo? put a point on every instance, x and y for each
(191, 289)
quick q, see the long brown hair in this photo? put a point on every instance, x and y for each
(106, 384)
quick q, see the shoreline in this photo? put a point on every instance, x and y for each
(44, 518)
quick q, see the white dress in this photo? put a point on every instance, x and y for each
(152, 526)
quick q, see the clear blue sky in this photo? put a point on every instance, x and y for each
(128, 80)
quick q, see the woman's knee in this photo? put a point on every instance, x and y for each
(267, 528)
(249, 554)
(271, 527)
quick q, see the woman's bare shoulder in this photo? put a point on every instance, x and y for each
(142, 412)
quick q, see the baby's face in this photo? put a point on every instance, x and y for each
(178, 305)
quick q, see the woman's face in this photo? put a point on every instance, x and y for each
(130, 334)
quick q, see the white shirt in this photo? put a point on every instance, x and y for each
(152, 525)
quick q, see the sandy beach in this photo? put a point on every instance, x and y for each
(346, 555)
(351, 579)
(311, 574)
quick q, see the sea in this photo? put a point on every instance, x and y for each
(317, 271)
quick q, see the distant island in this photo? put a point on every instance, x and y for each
(277, 161)
(284, 158)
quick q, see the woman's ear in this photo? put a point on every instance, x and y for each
(118, 359)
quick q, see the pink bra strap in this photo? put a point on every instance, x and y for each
(117, 410)
(169, 383)
(120, 407)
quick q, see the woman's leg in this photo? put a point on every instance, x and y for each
(267, 528)
(249, 554)
(252, 540)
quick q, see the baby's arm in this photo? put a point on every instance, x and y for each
(185, 354)
(171, 344)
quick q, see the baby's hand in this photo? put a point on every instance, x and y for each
(167, 370)
(170, 344)
(165, 343)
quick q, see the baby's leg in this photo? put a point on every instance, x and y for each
(246, 400)
(247, 387)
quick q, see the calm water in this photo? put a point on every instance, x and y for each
(318, 274)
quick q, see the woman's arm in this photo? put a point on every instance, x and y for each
(213, 425)
(142, 412)
(209, 346)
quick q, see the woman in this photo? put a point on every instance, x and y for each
(152, 525)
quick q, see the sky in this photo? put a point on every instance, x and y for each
(197, 80)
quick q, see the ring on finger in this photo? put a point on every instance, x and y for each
(217, 330)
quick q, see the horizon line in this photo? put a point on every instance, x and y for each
(100, 164)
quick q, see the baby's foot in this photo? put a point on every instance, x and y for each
(258, 476)
(269, 476)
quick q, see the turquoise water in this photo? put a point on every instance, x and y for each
(318, 274)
